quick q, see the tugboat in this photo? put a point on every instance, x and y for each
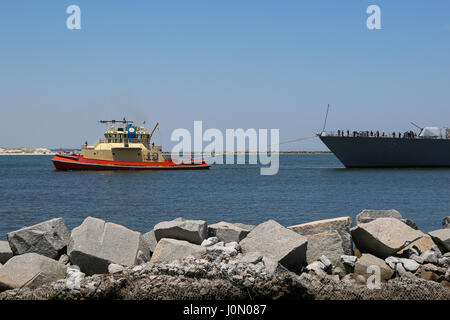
(125, 146)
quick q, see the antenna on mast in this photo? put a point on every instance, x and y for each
(326, 117)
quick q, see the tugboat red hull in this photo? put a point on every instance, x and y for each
(78, 162)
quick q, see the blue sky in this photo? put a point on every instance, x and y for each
(232, 64)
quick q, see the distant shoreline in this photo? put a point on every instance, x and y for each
(46, 152)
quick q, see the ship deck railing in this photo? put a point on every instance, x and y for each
(375, 134)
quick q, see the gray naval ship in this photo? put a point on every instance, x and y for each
(367, 149)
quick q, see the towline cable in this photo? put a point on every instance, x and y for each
(245, 151)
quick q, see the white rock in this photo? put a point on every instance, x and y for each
(115, 268)
(210, 242)
(392, 261)
(74, 278)
(315, 265)
(429, 256)
(410, 265)
(233, 245)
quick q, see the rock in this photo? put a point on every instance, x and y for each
(442, 237)
(368, 260)
(410, 223)
(326, 243)
(342, 225)
(392, 261)
(447, 274)
(169, 250)
(150, 238)
(402, 272)
(436, 249)
(5, 252)
(368, 215)
(74, 278)
(222, 249)
(273, 240)
(410, 265)
(194, 231)
(360, 279)
(430, 256)
(417, 258)
(227, 232)
(429, 272)
(384, 236)
(400, 269)
(270, 264)
(115, 268)
(251, 257)
(338, 271)
(326, 262)
(30, 270)
(210, 242)
(420, 245)
(446, 223)
(247, 227)
(64, 260)
(47, 238)
(348, 263)
(315, 265)
(141, 257)
(233, 245)
(444, 262)
(414, 250)
(95, 244)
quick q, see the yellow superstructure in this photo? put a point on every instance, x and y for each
(124, 142)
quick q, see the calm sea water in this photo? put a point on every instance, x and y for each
(307, 188)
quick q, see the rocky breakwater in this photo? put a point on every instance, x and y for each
(179, 259)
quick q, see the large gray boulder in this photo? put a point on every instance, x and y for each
(168, 250)
(48, 238)
(227, 232)
(442, 237)
(342, 225)
(275, 241)
(384, 236)
(5, 252)
(95, 244)
(150, 238)
(325, 243)
(364, 264)
(368, 215)
(30, 270)
(194, 231)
